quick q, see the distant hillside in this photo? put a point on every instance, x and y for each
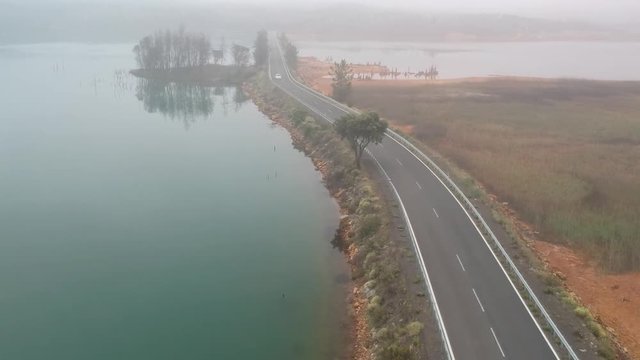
(374, 24)
(103, 22)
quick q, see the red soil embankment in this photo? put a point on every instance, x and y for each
(614, 299)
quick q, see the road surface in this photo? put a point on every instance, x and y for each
(483, 317)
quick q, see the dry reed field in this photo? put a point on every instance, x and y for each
(565, 154)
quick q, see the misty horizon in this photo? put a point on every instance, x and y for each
(621, 12)
(34, 21)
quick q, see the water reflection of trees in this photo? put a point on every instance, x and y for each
(187, 103)
(239, 98)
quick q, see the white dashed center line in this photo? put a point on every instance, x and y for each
(460, 261)
(497, 342)
(477, 298)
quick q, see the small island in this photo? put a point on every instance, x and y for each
(180, 56)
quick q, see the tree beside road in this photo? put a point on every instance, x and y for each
(261, 48)
(361, 130)
(342, 74)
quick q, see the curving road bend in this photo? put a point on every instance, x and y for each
(482, 315)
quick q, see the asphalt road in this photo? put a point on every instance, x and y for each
(482, 314)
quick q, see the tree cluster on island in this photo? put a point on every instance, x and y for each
(169, 50)
(241, 54)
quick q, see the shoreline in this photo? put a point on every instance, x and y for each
(390, 315)
(351, 321)
(305, 38)
(315, 72)
(207, 75)
(357, 326)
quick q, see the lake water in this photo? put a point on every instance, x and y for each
(143, 221)
(588, 60)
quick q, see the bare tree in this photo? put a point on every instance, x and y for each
(218, 55)
(203, 50)
(240, 55)
(170, 50)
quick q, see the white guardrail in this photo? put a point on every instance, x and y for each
(476, 214)
(458, 193)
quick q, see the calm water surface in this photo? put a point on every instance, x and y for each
(585, 60)
(144, 221)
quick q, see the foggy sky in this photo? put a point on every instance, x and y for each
(595, 10)
(601, 11)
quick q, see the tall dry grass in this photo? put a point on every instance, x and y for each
(564, 153)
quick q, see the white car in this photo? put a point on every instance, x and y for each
(278, 76)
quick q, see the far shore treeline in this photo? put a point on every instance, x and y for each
(166, 50)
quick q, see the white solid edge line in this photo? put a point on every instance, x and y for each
(312, 108)
(295, 83)
(340, 106)
(478, 299)
(497, 342)
(423, 267)
(443, 330)
(524, 304)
